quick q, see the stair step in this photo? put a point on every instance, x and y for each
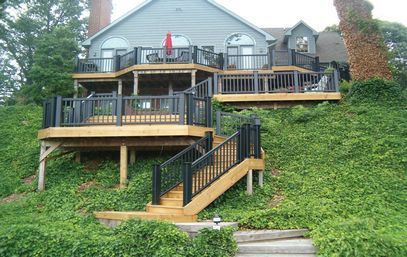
(282, 246)
(165, 209)
(174, 194)
(113, 219)
(171, 202)
(262, 235)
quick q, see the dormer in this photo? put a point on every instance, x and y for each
(302, 38)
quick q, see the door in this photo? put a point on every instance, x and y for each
(106, 63)
(247, 61)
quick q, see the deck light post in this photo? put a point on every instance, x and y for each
(217, 221)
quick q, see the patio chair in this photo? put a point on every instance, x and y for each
(153, 57)
(322, 85)
(184, 57)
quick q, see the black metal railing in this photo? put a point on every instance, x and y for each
(198, 166)
(110, 109)
(193, 54)
(168, 175)
(278, 82)
(248, 62)
(208, 58)
(165, 56)
(305, 61)
(95, 65)
(127, 60)
(202, 89)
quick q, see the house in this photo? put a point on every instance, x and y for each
(135, 94)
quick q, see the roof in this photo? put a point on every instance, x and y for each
(301, 22)
(88, 41)
(330, 45)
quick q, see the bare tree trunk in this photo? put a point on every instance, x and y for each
(364, 43)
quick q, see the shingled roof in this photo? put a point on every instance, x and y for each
(330, 45)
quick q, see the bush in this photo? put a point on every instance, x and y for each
(376, 90)
(214, 243)
(345, 87)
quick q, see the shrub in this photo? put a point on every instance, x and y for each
(214, 243)
(345, 87)
(376, 90)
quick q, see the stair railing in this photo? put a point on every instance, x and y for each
(201, 173)
(168, 175)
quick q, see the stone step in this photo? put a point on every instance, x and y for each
(282, 246)
(192, 228)
(262, 235)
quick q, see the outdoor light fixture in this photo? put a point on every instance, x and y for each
(216, 220)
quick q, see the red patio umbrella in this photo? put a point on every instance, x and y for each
(168, 44)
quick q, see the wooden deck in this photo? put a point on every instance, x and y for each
(125, 131)
(278, 97)
(178, 68)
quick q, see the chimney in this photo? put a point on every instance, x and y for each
(100, 15)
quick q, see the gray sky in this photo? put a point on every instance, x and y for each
(286, 13)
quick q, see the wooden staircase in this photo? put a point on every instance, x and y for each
(191, 180)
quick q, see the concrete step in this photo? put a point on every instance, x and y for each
(192, 228)
(262, 235)
(282, 246)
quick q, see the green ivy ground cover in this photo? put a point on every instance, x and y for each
(338, 170)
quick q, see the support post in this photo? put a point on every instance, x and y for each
(181, 108)
(123, 166)
(193, 78)
(208, 116)
(132, 157)
(119, 109)
(120, 87)
(209, 142)
(218, 123)
(117, 63)
(247, 133)
(187, 183)
(210, 87)
(296, 84)
(136, 82)
(215, 83)
(156, 184)
(41, 170)
(76, 88)
(257, 139)
(190, 108)
(135, 53)
(256, 82)
(58, 111)
(336, 80)
(261, 178)
(78, 157)
(249, 182)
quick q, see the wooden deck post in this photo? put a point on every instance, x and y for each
(41, 170)
(249, 182)
(261, 178)
(78, 157)
(193, 78)
(132, 157)
(136, 83)
(123, 166)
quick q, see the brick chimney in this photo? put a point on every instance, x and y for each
(100, 15)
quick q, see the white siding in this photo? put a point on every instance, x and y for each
(200, 21)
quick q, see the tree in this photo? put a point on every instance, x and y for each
(51, 73)
(333, 28)
(364, 43)
(395, 38)
(24, 24)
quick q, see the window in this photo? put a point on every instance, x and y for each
(179, 41)
(209, 48)
(239, 39)
(115, 43)
(302, 45)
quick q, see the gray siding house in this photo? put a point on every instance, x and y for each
(202, 23)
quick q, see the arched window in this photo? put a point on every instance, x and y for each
(114, 46)
(179, 41)
(239, 39)
(239, 44)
